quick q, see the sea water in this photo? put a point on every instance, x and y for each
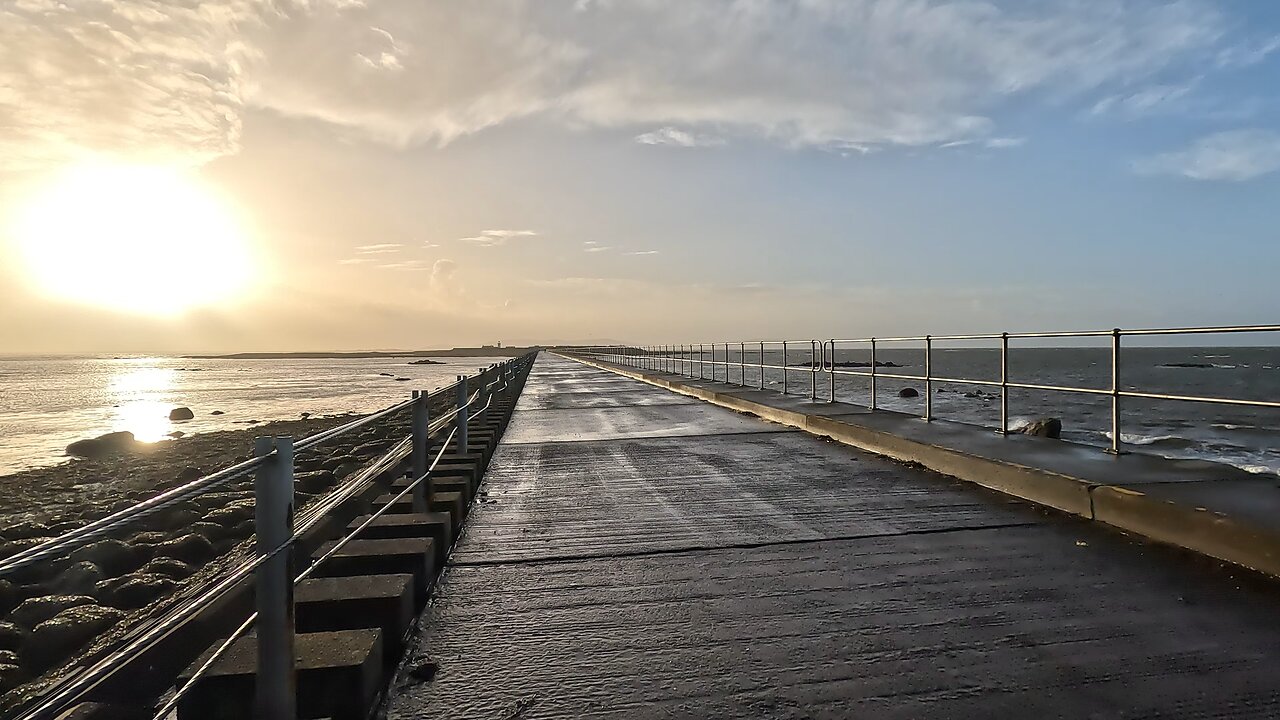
(48, 402)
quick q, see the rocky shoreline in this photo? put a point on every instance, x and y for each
(53, 612)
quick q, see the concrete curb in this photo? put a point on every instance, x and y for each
(1209, 533)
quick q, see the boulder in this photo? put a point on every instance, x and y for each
(314, 482)
(114, 443)
(113, 556)
(36, 610)
(24, 530)
(908, 393)
(68, 631)
(138, 590)
(168, 567)
(8, 657)
(191, 549)
(1044, 427)
(346, 469)
(209, 530)
(181, 413)
(11, 676)
(12, 637)
(149, 537)
(79, 578)
(232, 514)
(371, 448)
(217, 412)
(8, 597)
(336, 461)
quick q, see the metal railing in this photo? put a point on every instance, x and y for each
(713, 361)
(277, 532)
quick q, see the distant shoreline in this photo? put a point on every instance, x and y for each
(453, 352)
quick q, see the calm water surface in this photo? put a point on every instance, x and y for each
(48, 402)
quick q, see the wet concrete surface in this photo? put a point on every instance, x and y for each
(663, 564)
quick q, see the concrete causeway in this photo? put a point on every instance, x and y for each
(640, 553)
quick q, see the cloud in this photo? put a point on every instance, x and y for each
(1235, 155)
(379, 249)
(1148, 100)
(491, 238)
(405, 265)
(643, 252)
(355, 261)
(173, 81)
(678, 138)
(148, 81)
(844, 74)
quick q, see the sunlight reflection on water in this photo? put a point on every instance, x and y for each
(140, 394)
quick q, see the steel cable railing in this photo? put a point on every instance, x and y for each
(147, 635)
(688, 358)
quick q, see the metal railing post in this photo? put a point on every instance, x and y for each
(785, 372)
(701, 353)
(873, 373)
(483, 398)
(461, 400)
(1115, 392)
(1004, 383)
(742, 362)
(762, 366)
(928, 378)
(419, 423)
(276, 693)
(813, 371)
(831, 370)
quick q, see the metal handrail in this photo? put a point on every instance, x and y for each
(825, 363)
(146, 636)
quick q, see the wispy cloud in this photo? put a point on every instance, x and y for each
(678, 138)
(379, 249)
(593, 246)
(405, 265)
(1236, 155)
(643, 252)
(355, 261)
(490, 238)
(842, 75)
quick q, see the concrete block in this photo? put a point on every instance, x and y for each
(437, 526)
(415, 556)
(385, 602)
(339, 674)
(452, 503)
(1194, 528)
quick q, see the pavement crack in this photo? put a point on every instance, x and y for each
(690, 549)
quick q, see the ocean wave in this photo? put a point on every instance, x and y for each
(1161, 440)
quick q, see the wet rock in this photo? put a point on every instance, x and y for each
(304, 415)
(150, 537)
(212, 501)
(243, 530)
(12, 637)
(232, 514)
(908, 393)
(24, 530)
(68, 631)
(113, 443)
(181, 413)
(8, 657)
(137, 590)
(115, 557)
(336, 461)
(345, 469)
(187, 474)
(313, 482)
(8, 597)
(176, 518)
(386, 375)
(36, 610)
(168, 567)
(312, 464)
(13, 547)
(192, 549)
(11, 676)
(78, 579)
(103, 711)
(217, 412)
(371, 448)
(209, 530)
(1044, 427)
(65, 526)
(176, 434)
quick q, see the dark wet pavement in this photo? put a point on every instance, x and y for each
(642, 554)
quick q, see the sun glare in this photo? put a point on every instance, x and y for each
(139, 239)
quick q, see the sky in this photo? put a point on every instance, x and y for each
(407, 174)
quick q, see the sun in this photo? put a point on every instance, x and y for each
(148, 240)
